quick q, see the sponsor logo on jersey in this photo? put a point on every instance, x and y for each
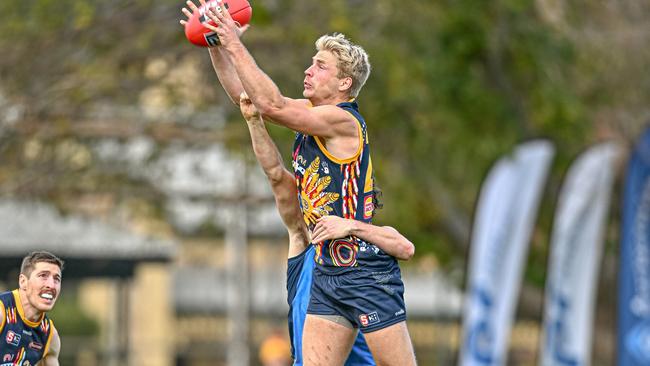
(17, 359)
(7, 357)
(298, 164)
(13, 338)
(26, 332)
(400, 312)
(35, 345)
(368, 207)
(369, 319)
(326, 168)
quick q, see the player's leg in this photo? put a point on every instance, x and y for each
(378, 309)
(391, 346)
(326, 342)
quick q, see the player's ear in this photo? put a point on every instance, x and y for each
(22, 281)
(345, 83)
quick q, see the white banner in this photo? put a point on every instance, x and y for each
(575, 254)
(503, 222)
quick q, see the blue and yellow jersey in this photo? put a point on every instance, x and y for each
(331, 186)
(22, 342)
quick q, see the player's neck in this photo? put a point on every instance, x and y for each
(333, 100)
(31, 313)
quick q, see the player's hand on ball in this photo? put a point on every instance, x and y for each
(188, 12)
(199, 25)
(225, 27)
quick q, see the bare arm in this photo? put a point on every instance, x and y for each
(385, 237)
(325, 121)
(225, 71)
(282, 181)
(52, 356)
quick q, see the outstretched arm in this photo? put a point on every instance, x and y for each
(224, 69)
(297, 114)
(226, 73)
(385, 237)
(282, 182)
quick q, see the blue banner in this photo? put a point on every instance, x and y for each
(634, 268)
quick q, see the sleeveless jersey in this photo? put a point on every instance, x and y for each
(22, 342)
(331, 186)
(299, 279)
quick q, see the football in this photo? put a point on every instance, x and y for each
(240, 11)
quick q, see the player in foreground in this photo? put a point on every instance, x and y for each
(300, 262)
(356, 284)
(27, 335)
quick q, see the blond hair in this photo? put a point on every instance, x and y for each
(352, 59)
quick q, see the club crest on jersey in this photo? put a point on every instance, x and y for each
(369, 319)
(7, 357)
(13, 338)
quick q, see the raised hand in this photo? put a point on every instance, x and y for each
(226, 28)
(192, 9)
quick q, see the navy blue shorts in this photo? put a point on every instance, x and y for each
(369, 300)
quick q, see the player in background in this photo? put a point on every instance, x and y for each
(300, 262)
(27, 335)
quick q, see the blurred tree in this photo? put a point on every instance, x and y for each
(455, 85)
(70, 320)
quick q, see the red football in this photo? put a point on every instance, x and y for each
(240, 11)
